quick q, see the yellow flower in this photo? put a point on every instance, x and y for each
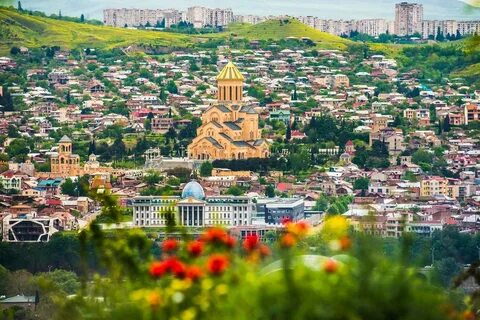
(189, 314)
(221, 289)
(335, 227)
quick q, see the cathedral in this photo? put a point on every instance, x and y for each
(229, 128)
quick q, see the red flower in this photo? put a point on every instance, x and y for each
(157, 269)
(170, 245)
(217, 264)
(288, 241)
(195, 248)
(286, 220)
(330, 266)
(179, 270)
(194, 273)
(264, 250)
(230, 242)
(251, 242)
(215, 235)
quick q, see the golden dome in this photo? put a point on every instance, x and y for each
(230, 72)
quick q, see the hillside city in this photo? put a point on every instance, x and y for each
(409, 21)
(246, 133)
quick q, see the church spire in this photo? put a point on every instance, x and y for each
(230, 84)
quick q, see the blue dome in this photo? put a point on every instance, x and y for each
(193, 189)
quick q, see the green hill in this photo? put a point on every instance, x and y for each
(281, 29)
(18, 29)
(21, 29)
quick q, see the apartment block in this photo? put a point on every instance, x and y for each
(408, 18)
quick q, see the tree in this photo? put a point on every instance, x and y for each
(172, 87)
(6, 100)
(422, 156)
(270, 191)
(446, 124)
(206, 169)
(445, 270)
(118, 148)
(19, 6)
(361, 184)
(82, 18)
(68, 187)
(152, 178)
(14, 50)
(12, 131)
(234, 191)
(18, 149)
(288, 134)
(440, 36)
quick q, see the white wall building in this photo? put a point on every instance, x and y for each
(408, 18)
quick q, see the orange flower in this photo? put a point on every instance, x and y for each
(345, 243)
(170, 245)
(302, 227)
(468, 315)
(157, 269)
(195, 248)
(230, 242)
(298, 229)
(217, 264)
(330, 266)
(288, 240)
(194, 273)
(264, 250)
(215, 235)
(251, 242)
(154, 299)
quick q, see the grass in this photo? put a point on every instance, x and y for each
(18, 29)
(280, 29)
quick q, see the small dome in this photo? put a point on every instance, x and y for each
(193, 189)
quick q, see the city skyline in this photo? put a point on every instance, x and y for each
(433, 9)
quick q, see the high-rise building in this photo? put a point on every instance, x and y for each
(136, 17)
(201, 17)
(198, 16)
(408, 18)
(372, 27)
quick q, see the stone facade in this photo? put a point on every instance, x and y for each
(65, 162)
(229, 129)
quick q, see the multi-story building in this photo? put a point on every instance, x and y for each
(468, 27)
(433, 186)
(275, 211)
(408, 18)
(198, 16)
(229, 129)
(252, 19)
(192, 209)
(29, 228)
(372, 27)
(472, 112)
(201, 17)
(220, 17)
(10, 181)
(430, 28)
(136, 17)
